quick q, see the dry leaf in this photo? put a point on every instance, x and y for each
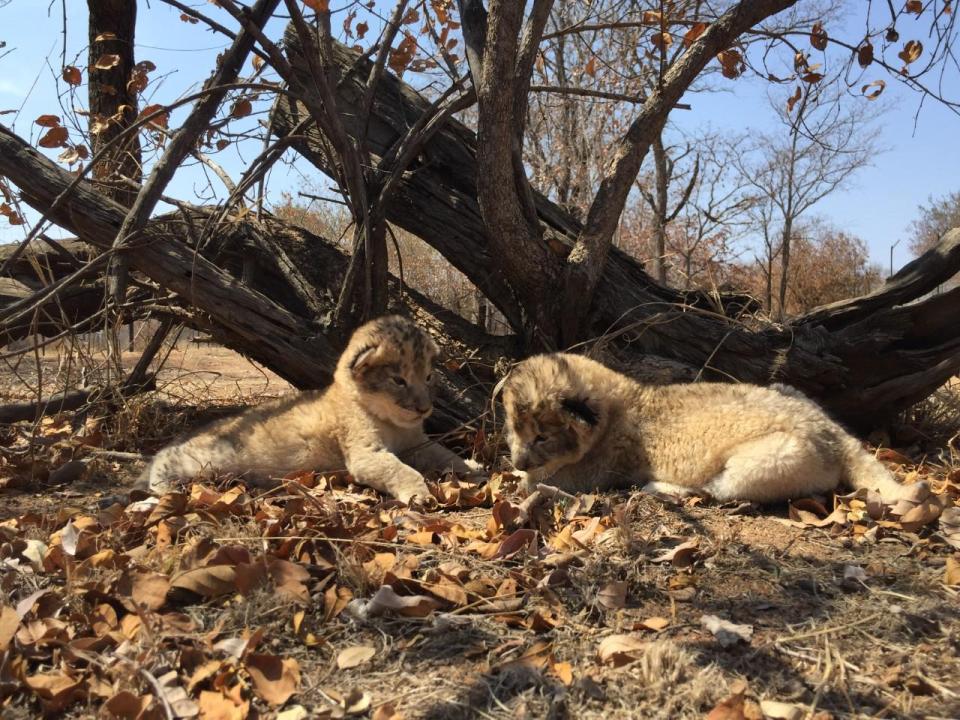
(695, 31)
(656, 624)
(951, 576)
(620, 649)
(387, 711)
(911, 51)
(613, 596)
(47, 121)
(351, 657)
(386, 599)
(208, 581)
(950, 526)
(683, 555)
(726, 633)
(71, 75)
(54, 137)
(274, 678)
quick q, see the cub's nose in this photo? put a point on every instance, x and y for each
(522, 461)
(423, 407)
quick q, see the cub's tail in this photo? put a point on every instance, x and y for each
(863, 470)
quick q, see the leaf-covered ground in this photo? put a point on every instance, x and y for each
(319, 599)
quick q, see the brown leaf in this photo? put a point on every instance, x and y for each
(162, 119)
(71, 75)
(127, 706)
(950, 526)
(620, 649)
(564, 672)
(781, 711)
(241, 108)
(518, 540)
(318, 5)
(591, 67)
(54, 137)
(655, 623)
(387, 711)
(401, 55)
(683, 555)
(208, 582)
(149, 590)
(351, 657)
(274, 678)
(386, 599)
(651, 17)
(216, 706)
(874, 94)
(362, 30)
(736, 707)
(731, 63)
(818, 36)
(911, 51)
(794, 99)
(914, 6)
(695, 31)
(951, 576)
(48, 121)
(9, 622)
(107, 61)
(613, 595)
(662, 41)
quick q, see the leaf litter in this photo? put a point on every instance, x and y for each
(322, 600)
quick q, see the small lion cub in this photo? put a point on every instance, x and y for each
(587, 427)
(370, 417)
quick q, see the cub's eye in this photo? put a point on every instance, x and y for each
(399, 381)
(539, 439)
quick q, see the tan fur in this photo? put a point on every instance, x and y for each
(370, 417)
(586, 427)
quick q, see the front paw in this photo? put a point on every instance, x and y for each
(410, 488)
(474, 467)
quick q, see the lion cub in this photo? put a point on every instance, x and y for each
(370, 417)
(587, 427)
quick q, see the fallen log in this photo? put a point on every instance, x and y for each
(276, 315)
(864, 359)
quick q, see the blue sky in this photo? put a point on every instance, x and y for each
(877, 205)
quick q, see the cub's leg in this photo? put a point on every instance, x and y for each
(434, 456)
(777, 466)
(383, 471)
(667, 488)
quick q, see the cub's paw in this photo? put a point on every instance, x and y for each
(410, 489)
(474, 467)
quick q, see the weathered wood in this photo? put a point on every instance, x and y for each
(864, 359)
(266, 318)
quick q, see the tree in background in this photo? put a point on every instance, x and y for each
(935, 219)
(824, 142)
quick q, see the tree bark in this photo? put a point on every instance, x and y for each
(276, 318)
(113, 96)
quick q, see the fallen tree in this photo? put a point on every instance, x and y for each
(286, 298)
(267, 297)
(864, 359)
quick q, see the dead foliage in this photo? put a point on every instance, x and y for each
(319, 599)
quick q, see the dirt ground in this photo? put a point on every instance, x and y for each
(321, 600)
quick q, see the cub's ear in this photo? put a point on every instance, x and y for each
(362, 360)
(582, 410)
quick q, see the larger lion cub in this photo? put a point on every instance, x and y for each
(587, 427)
(369, 422)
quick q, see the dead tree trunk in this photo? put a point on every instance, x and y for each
(860, 369)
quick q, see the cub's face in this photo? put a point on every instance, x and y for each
(548, 435)
(394, 373)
